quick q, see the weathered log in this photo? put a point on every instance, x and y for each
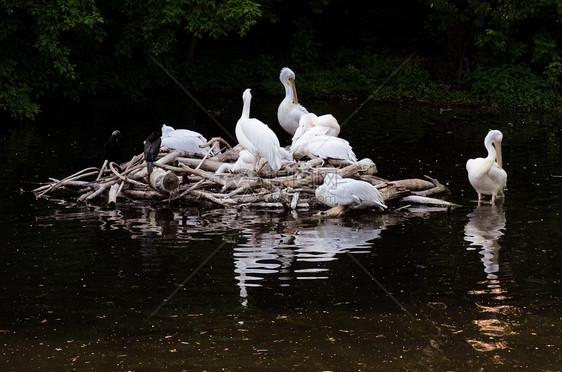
(390, 191)
(214, 199)
(291, 188)
(123, 178)
(295, 200)
(143, 194)
(203, 174)
(428, 201)
(271, 205)
(413, 184)
(246, 183)
(441, 189)
(208, 165)
(98, 189)
(229, 156)
(317, 177)
(82, 174)
(374, 180)
(105, 163)
(188, 190)
(438, 189)
(336, 211)
(163, 181)
(112, 196)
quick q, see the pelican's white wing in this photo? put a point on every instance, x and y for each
(328, 147)
(350, 192)
(183, 140)
(327, 124)
(499, 177)
(359, 194)
(317, 125)
(289, 115)
(259, 140)
(484, 178)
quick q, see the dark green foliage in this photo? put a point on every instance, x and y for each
(37, 40)
(514, 87)
(83, 48)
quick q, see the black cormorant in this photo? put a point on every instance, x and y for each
(151, 150)
(112, 148)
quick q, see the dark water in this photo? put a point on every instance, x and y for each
(178, 287)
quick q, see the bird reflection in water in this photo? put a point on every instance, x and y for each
(483, 230)
(301, 253)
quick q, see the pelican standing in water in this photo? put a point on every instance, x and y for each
(319, 125)
(257, 137)
(290, 110)
(338, 191)
(486, 175)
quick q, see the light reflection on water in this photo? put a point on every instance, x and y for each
(300, 252)
(482, 283)
(484, 230)
(266, 244)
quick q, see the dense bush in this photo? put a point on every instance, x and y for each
(76, 49)
(514, 87)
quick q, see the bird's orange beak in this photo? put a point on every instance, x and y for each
(499, 154)
(295, 98)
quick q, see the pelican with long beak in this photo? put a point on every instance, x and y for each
(290, 110)
(487, 175)
(256, 137)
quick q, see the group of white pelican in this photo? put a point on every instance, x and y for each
(317, 137)
(313, 137)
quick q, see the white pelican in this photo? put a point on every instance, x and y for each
(183, 140)
(289, 111)
(246, 162)
(485, 174)
(257, 137)
(319, 125)
(322, 146)
(338, 191)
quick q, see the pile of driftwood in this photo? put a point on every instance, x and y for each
(192, 178)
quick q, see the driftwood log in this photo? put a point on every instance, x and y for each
(191, 177)
(164, 181)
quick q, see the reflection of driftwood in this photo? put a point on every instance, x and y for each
(192, 177)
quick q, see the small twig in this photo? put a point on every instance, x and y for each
(105, 162)
(216, 139)
(123, 178)
(199, 172)
(190, 189)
